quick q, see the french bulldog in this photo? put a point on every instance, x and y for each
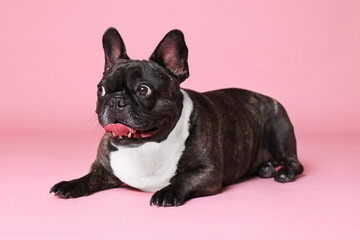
(176, 142)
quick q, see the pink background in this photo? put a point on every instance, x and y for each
(306, 54)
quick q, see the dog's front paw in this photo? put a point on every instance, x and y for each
(168, 197)
(70, 189)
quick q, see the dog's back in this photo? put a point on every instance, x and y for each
(251, 131)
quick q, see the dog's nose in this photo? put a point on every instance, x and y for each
(117, 102)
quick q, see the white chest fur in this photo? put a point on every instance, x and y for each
(151, 166)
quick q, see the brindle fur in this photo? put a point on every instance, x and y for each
(233, 133)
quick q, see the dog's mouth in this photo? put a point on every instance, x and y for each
(121, 132)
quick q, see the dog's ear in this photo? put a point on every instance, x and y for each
(172, 53)
(114, 47)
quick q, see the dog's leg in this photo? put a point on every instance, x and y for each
(188, 184)
(282, 146)
(98, 179)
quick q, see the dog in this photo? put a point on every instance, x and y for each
(175, 142)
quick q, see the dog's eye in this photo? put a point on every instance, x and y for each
(101, 91)
(144, 90)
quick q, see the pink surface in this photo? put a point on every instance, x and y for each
(306, 54)
(322, 204)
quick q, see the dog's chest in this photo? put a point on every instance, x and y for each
(151, 166)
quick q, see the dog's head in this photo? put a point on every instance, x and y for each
(140, 100)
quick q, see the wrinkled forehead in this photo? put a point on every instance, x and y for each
(130, 67)
(129, 70)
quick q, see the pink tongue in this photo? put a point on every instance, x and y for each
(118, 129)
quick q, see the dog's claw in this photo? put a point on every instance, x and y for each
(167, 198)
(71, 189)
(284, 175)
